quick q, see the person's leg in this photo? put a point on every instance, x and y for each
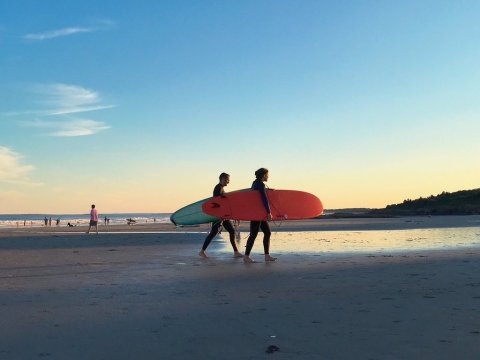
(210, 236)
(266, 236)
(227, 225)
(254, 228)
(96, 227)
(266, 240)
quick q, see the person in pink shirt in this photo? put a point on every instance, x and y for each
(93, 219)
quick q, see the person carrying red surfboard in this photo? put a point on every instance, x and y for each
(227, 225)
(261, 176)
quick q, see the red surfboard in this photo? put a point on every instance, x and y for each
(248, 205)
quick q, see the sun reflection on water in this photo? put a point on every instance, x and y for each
(332, 242)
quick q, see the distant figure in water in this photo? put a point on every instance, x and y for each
(261, 177)
(69, 225)
(216, 227)
(93, 219)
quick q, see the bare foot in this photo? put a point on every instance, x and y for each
(248, 260)
(269, 258)
(202, 254)
(237, 254)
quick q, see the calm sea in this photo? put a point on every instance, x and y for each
(20, 220)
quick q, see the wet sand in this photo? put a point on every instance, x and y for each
(149, 296)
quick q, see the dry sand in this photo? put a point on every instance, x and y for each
(149, 296)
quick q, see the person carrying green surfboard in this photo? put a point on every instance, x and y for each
(227, 225)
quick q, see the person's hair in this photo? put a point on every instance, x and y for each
(260, 173)
(93, 206)
(223, 176)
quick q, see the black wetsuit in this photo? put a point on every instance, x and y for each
(255, 226)
(227, 225)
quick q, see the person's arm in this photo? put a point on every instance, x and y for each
(266, 204)
(260, 186)
(263, 193)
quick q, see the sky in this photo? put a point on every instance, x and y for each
(138, 106)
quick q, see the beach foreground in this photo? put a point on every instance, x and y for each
(149, 296)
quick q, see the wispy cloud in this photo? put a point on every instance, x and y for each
(73, 110)
(60, 102)
(68, 99)
(11, 168)
(57, 105)
(99, 25)
(70, 128)
(51, 34)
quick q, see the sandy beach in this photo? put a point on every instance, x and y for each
(139, 293)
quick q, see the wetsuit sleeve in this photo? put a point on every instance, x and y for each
(260, 186)
(263, 192)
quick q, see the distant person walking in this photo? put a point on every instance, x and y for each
(93, 219)
(261, 177)
(45, 221)
(218, 191)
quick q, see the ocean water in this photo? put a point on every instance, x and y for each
(31, 220)
(354, 242)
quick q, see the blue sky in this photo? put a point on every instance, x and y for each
(139, 105)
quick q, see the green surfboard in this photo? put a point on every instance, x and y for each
(193, 214)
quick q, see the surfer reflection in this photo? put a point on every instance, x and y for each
(261, 177)
(227, 225)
